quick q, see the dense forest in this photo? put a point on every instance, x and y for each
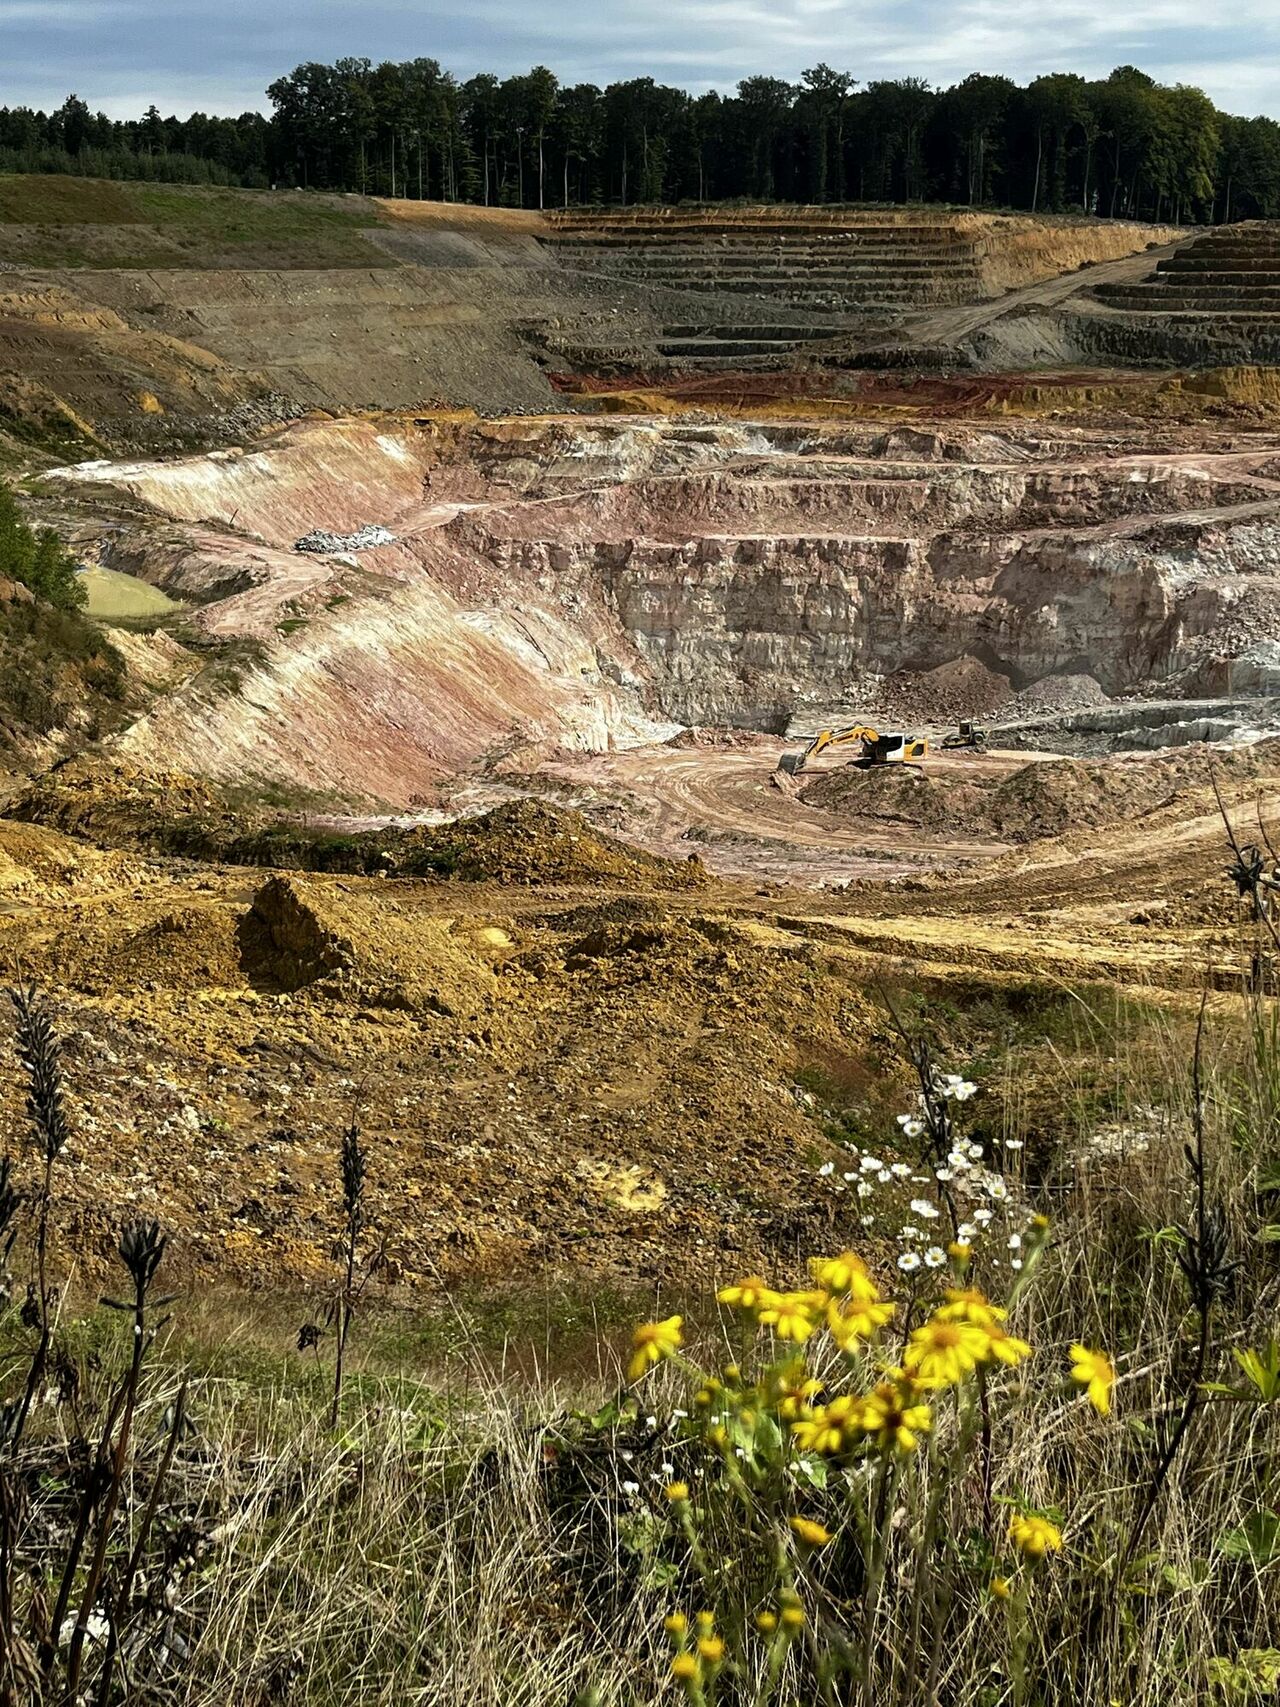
(1122, 146)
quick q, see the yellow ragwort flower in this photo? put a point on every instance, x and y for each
(1035, 1536)
(967, 1304)
(712, 1649)
(792, 1618)
(1000, 1589)
(959, 1251)
(792, 1315)
(749, 1294)
(652, 1342)
(706, 1623)
(684, 1668)
(792, 1390)
(1092, 1370)
(893, 1415)
(845, 1276)
(942, 1353)
(675, 1624)
(1006, 1348)
(766, 1623)
(677, 1492)
(819, 1432)
(811, 1533)
(856, 1321)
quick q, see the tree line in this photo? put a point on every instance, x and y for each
(1123, 146)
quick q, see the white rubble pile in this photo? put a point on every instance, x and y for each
(321, 543)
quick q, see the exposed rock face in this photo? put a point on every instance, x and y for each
(601, 582)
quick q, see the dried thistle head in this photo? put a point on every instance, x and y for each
(10, 1203)
(141, 1247)
(354, 1157)
(41, 1055)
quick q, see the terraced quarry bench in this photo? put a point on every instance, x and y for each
(1228, 278)
(863, 270)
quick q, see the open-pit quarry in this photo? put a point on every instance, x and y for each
(446, 782)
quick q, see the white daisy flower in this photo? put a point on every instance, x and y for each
(922, 1207)
(912, 1127)
(966, 1231)
(1013, 1143)
(866, 1220)
(900, 1170)
(975, 1151)
(909, 1232)
(1016, 1262)
(1015, 1241)
(870, 1164)
(963, 1090)
(997, 1191)
(826, 1170)
(982, 1216)
(884, 1176)
(943, 1175)
(865, 1188)
(908, 1262)
(934, 1257)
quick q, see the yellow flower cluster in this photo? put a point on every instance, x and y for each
(962, 1334)
(892, 1417)
(844, 1296)
(699, 1653)
(1035, 1536)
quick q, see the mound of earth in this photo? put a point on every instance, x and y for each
(304, 931)
(901, 794)
(182, 948)
(1044, 798)
(521, 842)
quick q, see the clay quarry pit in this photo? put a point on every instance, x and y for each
(501, 696)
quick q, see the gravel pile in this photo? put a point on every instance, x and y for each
(320, 543)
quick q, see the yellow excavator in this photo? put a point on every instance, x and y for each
(877, 747)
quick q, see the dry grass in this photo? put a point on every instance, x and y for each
(485, 1540)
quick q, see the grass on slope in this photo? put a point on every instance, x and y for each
(51, 221)
(485, 1537)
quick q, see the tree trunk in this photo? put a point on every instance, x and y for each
(393, 165)
(1035, 194)
(541, 201)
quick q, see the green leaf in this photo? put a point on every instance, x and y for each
(813, 1470)
(1263, 1370)
(1269, 1235)
(1257, 1538)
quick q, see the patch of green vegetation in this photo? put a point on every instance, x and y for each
(50, 199)
(36, 558)
(56, 669)
(75, 222)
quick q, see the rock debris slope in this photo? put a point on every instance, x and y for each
(563, 585)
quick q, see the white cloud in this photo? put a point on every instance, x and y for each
(121, 54)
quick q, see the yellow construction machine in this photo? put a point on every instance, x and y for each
(877, 747)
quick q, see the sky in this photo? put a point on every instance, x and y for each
(219, 55)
